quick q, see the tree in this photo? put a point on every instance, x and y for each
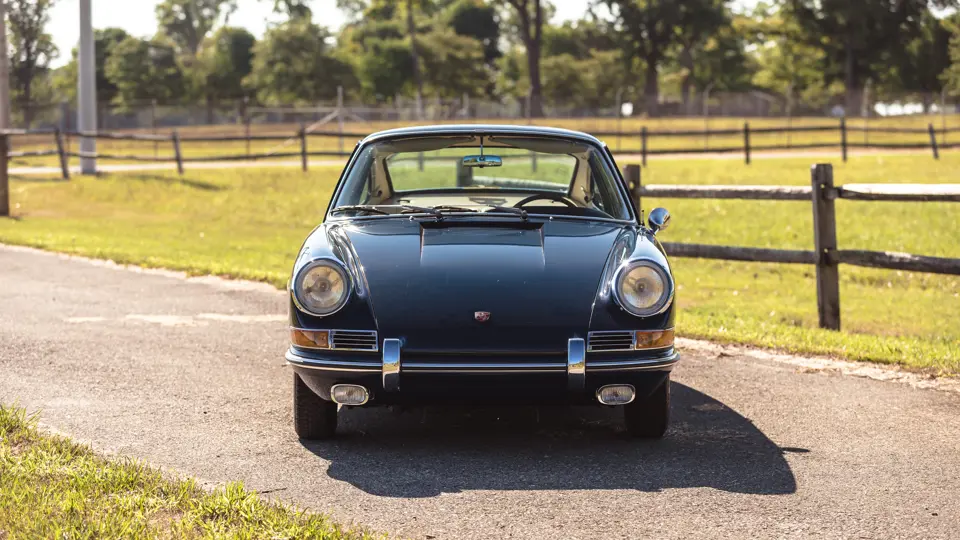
(32, 49)
(566, 82)
(415, 57)
(858, 36)
(529, 25)
(588, 84)
(785, 62)
(951, 76)
(651, 28)
(511, 74)
(294, 9)
(718, 61)
(294, 64)
(478, 20)
(454, 64)
(103, 42)
(699, 30)
(919, 63)
(225, 59)
(384, 68)
(578, 38)
(187, 22)
(144, 70)
(353, 8)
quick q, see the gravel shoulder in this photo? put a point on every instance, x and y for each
(189, 375)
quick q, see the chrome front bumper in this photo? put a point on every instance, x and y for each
(576, 367)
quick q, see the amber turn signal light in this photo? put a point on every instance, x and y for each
(654, 339)
(310, 339)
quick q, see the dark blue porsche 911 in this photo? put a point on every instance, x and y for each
(482, 264)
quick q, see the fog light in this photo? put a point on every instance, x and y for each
(310, 339)
(616, 394)
(349, 394)
(655, 339)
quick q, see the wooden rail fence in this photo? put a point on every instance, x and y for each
(826, 255)
(287, 147)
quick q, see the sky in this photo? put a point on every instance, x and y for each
(137, 17)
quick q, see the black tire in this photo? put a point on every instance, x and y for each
(649, 418)
(314, 418)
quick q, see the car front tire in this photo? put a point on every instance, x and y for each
(314, 418)
(648, 418)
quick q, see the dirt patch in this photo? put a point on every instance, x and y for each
(811, 364)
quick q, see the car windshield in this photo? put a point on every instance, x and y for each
(502, 174)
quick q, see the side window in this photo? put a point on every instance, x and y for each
(357, 186)
(606, 197)
(596, 193)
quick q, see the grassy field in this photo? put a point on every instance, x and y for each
(249, 223)
(51, 487)
(856, 135)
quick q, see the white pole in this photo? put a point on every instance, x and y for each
(4, 70)
(87, 89)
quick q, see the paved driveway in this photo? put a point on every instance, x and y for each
(189, 375)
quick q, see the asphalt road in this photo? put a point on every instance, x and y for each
(189, 375)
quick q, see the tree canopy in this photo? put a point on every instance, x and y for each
(32, 50)
(664, 55)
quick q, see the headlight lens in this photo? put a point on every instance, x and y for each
(322, 287)
(643, 288)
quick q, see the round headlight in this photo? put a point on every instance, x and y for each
(643, 288)
(321, 288)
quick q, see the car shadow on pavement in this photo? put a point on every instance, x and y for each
(423, 452)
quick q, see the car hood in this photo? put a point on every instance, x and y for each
(538, 280)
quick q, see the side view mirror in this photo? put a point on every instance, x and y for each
(659, 219)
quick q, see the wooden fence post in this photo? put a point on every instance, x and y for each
(825, 241)
(643, 146)
(303, 147)
(843, 138)
(746, 142)
(533, 161)
(933, 141)
(4, 179)
(631, 173)
(176, 151)
(464, 175)
(64, 169)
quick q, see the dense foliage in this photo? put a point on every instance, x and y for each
(817, 52)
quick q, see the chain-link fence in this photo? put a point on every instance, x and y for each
(158, 117)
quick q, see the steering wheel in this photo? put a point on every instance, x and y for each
(547, 197)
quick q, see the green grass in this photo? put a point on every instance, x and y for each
(51, 487)
(887, 316)
(249, 223)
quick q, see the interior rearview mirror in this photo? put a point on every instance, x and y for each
(659, 219)
(482, 161)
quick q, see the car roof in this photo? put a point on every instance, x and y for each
(480, 129)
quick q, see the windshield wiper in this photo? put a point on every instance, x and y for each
(450, 208)
(360, 208)
(510, 210)
(409, 208)
(379, 209)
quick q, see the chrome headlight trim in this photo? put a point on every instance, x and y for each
(322, 261)
(665, 300)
